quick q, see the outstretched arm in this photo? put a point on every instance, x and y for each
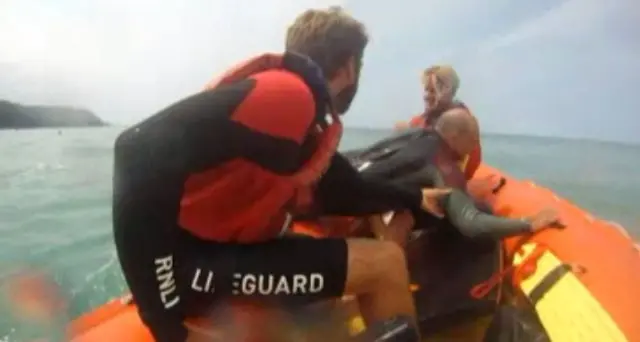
(471, 222)
(461, 210)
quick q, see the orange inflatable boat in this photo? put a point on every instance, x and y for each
(582, 283)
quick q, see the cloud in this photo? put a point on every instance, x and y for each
(124, 59)
(568, 67)
(548, 67)
(408, 36)
(571, 71)
(569, 19)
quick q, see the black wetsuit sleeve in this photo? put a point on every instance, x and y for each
(471, 222)
(344, 191)
(414, 155)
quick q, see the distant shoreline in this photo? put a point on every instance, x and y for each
(19, 116)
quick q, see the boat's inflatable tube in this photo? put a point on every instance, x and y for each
(582, 280)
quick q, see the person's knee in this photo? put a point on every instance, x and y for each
(375, 264)
(391, 257)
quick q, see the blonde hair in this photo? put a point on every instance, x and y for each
(330, 37)
(445, 75)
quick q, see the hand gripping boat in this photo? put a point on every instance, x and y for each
(581, 283)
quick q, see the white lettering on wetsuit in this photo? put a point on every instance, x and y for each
(202, 282)
(269, 284)
(166, 281)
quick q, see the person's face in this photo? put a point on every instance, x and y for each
(343, 99)
(429, 92)
(436, 93)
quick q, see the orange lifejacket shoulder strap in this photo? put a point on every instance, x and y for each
(328, 127)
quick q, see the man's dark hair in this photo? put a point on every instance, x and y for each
(330, 37)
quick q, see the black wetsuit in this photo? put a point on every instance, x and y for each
(415, 158)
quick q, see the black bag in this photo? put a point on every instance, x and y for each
(446, 266)
(512, 324)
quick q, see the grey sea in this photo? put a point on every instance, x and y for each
(55, 189)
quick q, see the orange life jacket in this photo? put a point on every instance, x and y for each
(240, 201)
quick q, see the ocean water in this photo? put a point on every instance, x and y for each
(55, 188)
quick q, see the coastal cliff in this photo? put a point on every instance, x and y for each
(16, 116)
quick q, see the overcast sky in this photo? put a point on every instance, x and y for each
(565, 67)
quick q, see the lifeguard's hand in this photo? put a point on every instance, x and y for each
(430, 200)
(544, 219)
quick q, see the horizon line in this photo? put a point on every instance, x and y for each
(530, 135)
(490, 133)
